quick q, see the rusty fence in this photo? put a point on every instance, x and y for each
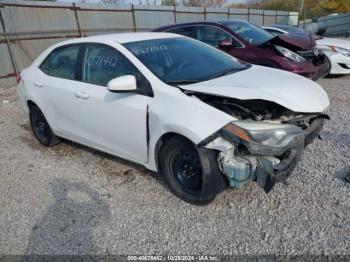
(29, 27)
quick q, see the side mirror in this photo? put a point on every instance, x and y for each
(226, 44)
(125, 83)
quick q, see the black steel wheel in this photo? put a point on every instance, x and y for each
(185, 168)
(41, 127)
(181, 167)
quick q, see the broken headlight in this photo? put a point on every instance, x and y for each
(264, 138)
(290, 54)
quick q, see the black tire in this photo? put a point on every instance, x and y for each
(181, 167)
(41, 127)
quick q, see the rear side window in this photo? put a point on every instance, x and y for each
(61, 62)
(185, 31)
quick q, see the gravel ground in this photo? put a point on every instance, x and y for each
(73, 200)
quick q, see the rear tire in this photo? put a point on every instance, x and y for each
(181, 168)
(41, 127)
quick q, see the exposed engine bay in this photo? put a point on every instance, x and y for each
(259, 110)
(241, 161)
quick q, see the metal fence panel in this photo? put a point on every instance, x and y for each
(335, 24)
(104, 18)
(147, 18)
(189, 14)
(293, 18)
(216, 13)
(282, 17)
(239, 13)
(32, 26)
(24, 52)
(256, 16)
(31, 17)
(270, 17)
(5, 66)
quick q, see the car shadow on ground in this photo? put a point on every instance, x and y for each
(67, 225)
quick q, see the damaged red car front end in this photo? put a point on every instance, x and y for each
(254, 45)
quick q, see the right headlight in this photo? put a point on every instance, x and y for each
(290, 54)
(265, 138)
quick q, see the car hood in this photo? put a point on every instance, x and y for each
(326, 41)
(294, 41)
(292, 91)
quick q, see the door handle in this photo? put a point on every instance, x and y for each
(81, 95)
(38, 84)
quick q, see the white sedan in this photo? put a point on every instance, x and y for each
(199, 117)
(337, 50)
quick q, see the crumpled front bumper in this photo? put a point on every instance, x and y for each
(266, 170)
(268, 175)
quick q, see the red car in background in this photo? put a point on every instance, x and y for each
(254, 45)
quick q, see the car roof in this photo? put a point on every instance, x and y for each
(206, 22)
(122, 38)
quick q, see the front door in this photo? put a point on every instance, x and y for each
(113, 122)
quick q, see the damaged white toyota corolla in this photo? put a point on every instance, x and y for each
(202, 119)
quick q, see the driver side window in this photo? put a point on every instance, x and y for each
(212, 35)
(102, 63)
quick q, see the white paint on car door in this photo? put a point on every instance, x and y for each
(112, 122)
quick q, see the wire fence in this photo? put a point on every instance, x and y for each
(29, 27)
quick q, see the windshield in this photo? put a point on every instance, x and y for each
(292, 29)
(249, 32)
(182, 60)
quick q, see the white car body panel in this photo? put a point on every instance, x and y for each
(291, 93)
(129, 125)
(336, 59)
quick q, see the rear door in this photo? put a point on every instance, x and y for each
(55, 85)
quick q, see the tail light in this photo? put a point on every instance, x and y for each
(18, 78)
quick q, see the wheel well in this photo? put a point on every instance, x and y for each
(30, 103)
(162, 141)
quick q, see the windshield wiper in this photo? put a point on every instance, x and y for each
(181, 82)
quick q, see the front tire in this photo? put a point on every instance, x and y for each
(181, 168)
(41, 127)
